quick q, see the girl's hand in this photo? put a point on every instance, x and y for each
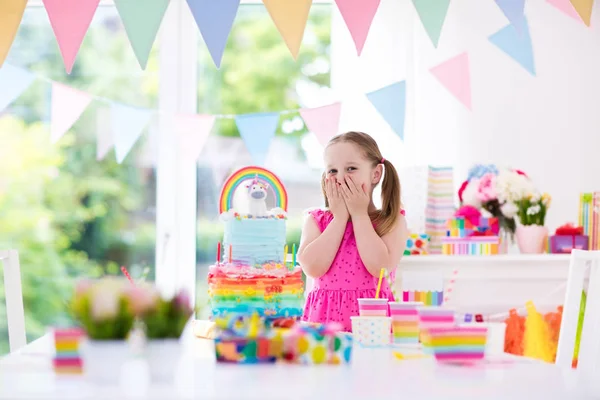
(356, 198)
(335, 198)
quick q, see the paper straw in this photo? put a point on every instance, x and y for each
(450, 286)
(230, 253)
(219, 253)
(124, 271)
(379, 283)
(285, 250)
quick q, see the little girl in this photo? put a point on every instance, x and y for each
(345, 246)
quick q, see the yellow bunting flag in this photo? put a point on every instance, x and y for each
(584, 9)
(290, 18)
(537, 340)
(11, 13)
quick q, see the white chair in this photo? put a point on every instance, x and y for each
(589, 347)
(15, 313)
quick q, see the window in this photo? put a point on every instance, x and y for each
(258, 74)
(67, 213)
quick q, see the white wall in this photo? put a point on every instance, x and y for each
(548, 125)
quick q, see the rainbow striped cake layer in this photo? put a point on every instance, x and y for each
(457, 343)
(273, 293)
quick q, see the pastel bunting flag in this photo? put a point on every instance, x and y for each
(192, 131)
(390, 102)
(141, 20)
(514, 10)
(13, 82)
(454, 74)
(215, 20)
(104, 136)
(584, 9)
(290, 19)
(324, 121)
(67, 106)
(358, 16)
(516, 44)
(70, 20)
(566, 7)
(127, 124)
(11, 14)
(432, 14)
(257, 132)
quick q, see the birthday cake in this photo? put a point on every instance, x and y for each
(253, 272)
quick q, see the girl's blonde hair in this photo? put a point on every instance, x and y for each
(384, 219)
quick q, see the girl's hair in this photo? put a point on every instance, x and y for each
(384, 219)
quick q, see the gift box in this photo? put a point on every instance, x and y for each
(460, 227)
(471, 246)
(312, 344)
(568, 237)
(417, 244)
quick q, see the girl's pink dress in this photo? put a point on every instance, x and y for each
(335, 295)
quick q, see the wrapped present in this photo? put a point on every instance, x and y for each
(567, 238)
(417, 244)
(461, 227)
(317, 344)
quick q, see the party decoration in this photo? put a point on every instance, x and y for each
(417, 244)
(514, 10)
(390, 102)
(589, 217)
(323, 121)
(257, 131)
(142, 20)
(432, 14)
(70, 20)
(11, 14)
(13, 82)
(456, 344)
(67, 359)
(440, 205)
(516, 44)
(358, 16)
(192, 131)
(537, 339)
(584, 9)
(215, 20)
(455, 75)
(290, 18)
(67, 106)
(247, 174)
(566, 7)
(104, 137)
(317, 344)
(127, 124)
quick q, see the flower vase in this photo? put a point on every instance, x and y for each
(532, 238)
(103, 360)
(163, 356)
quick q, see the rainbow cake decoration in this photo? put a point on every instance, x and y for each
(251, 273)
(456, 344)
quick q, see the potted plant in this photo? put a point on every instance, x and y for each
(531, 232)
(102, 308)
(164, 322)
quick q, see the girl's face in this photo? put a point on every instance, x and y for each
(343, 158)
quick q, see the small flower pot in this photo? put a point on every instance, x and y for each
(163, 357)
(532, 238)
(103, 360)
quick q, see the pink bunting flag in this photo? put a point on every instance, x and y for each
(192, 131)
(566, 7)
(358, 15)
(67, 106)
(70, 20)
(324, 121)
(455, 75)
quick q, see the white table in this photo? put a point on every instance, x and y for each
(374, 374)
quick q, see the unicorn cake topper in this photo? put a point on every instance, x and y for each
(257, 196)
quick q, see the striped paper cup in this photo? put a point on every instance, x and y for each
(371, 331)
(405, 321)
(373, 307)
(458, 344)
(433, 317)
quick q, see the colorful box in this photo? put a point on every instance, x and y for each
(417, 244)
(247, 351)
(405, 322)
(471, 246)
(440, 205)
(563, 244)
(372, 331)
(313, 344)
(67, 359)
(461, 227)
(433, 317)
(457, 344)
